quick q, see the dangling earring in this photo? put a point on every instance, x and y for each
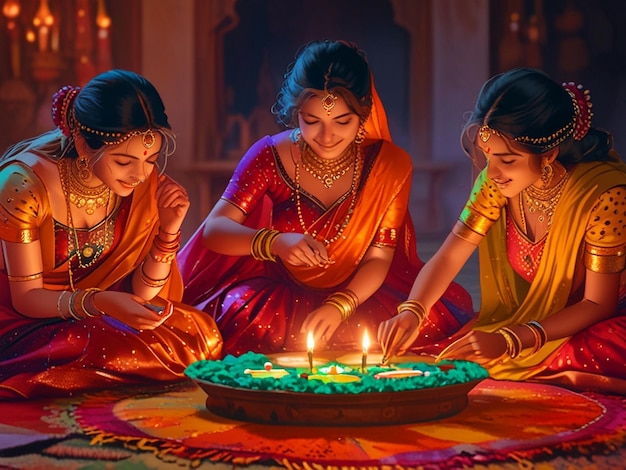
(360, 135)
(547, 173)
(84, 172)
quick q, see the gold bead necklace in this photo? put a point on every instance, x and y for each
(340, 227)
(90, 251)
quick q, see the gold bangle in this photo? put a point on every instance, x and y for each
(513, 342)
(59, 300)
(540, 332)
(86, 303)
(415, 307)
(345, 301)
(155, 283)
(71, 307)
(261, 245)
(29, 277)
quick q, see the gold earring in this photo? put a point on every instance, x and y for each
(547, 172)
(84, 172)
(360, 135)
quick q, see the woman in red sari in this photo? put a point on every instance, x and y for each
(89, 229)
(313, 233)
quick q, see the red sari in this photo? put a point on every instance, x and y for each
(260, 306)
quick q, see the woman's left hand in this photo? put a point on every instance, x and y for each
(477, 346)
(173, 204)
(322, 323)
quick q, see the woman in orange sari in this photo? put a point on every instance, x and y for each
(89, 229)
(313, 233)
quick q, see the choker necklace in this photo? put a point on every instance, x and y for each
(79, 194)
(327, 170)
(543, 200)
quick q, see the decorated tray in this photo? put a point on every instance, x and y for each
(337, 391)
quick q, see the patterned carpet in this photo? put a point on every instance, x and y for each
(505, 425)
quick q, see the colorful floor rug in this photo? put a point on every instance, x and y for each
(504, 423)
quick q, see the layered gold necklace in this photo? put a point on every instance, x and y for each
(89, 253)
(324, 169)
(352, 192)
(542, 200)
(84, 196)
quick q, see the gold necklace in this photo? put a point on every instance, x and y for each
(326, 170)
(344, 224)
(542, 200)
(84, 196)
(91, 251)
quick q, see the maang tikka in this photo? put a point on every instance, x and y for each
(328, 101)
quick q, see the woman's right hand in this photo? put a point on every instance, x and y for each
(130, 309)
(397, 334)
(300, 249)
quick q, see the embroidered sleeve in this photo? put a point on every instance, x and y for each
(481, 210)
(21, 194)
(254, 174)
(605, 237)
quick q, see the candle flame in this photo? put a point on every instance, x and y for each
(366, 342)
(310, 343)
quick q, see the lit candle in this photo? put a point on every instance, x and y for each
(309, 346)
(366, 345)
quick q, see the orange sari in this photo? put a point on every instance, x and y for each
(57, 357)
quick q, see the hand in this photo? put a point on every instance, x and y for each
(173, 204)
(322, 323)
(130, 309)
(398, 333)
(300, 249)
(477, 346)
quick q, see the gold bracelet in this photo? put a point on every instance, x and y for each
(345, 301)
(513, 341)
(86, 303)
(541, 338)
(71, 307)
(29, 277)
(59, 300)
(155, 283)
(415, 307)
(261, 245)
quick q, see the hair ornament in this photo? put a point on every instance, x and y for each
(328, 101)
(581, 100)
(485, 133)
(62, 115)
(114, 138)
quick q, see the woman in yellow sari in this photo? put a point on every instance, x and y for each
(548, 214)
(313, 233)
(89, 228)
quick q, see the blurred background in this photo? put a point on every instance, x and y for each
(219, 63)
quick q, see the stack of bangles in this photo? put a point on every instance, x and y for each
(165, 251)
(514, 346)
(261, 246)
(345, 301)
(415, 307)
(80, 304)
